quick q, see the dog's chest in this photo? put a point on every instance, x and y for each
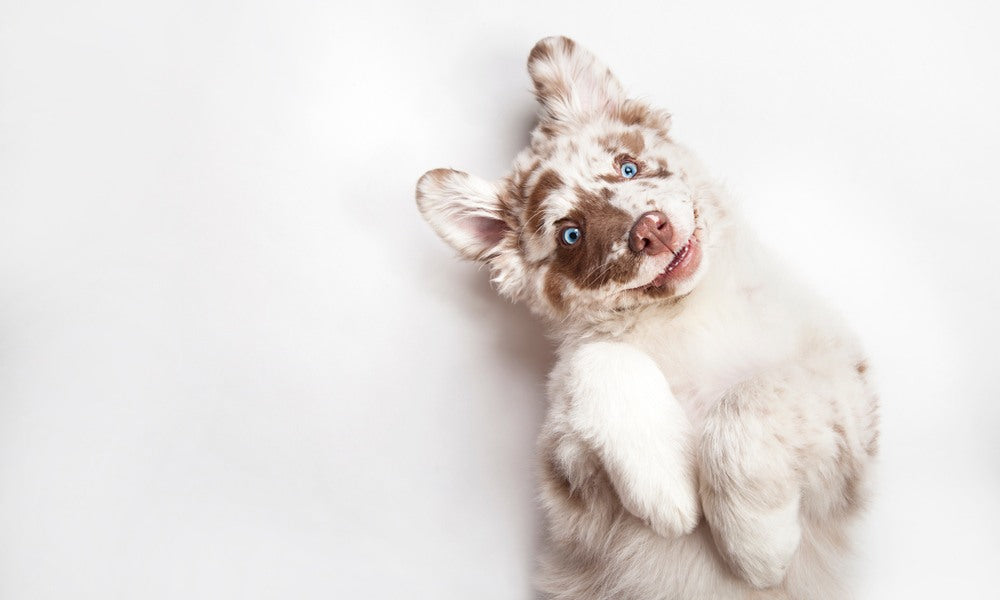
(706, 353)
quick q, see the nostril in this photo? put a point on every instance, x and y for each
(651, 233)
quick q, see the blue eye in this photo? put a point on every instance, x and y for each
(570, 235)
(629, 170)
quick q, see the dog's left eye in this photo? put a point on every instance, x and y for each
(629, 170)
(570, 235)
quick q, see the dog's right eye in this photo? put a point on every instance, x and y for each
(570, 235)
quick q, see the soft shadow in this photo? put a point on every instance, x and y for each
(521, 348)
(521, 336)
(518, 116)
(521, 340)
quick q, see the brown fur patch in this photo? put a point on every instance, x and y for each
(555, 286)
(602, 224)
(635, 113)
(440, 176)
(508, 206)
(660, 171)
(548, 129)
(521, 177)
(548, 183)
(548, 89)
(609, 143)
(633, 142)
(630, 141)
(541, 51)
(632, 113)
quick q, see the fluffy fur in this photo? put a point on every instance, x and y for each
(711, 426)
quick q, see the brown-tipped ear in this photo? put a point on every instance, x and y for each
(464, 210)
(570, 82)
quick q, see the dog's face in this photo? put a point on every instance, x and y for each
(602, 212)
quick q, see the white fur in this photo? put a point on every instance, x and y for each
(617, 401)
(711, 444)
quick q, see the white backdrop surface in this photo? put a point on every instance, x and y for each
(234, 362)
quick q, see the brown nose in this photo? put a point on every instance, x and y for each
(651, 234)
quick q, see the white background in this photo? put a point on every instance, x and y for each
(234, 362)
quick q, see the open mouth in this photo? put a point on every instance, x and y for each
(685, 263)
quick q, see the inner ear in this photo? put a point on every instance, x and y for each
(489, 230)
(570, 82)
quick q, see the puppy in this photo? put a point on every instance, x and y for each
(710, 425)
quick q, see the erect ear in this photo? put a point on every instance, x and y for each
(570, 82)
(464, 210)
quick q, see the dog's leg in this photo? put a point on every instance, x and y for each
(750, 487)
(615, 399)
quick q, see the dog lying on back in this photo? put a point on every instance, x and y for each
(710, 426)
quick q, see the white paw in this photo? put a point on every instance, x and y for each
(762, 558)
(766, 574)
(670, 507)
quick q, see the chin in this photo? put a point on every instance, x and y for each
(678, 278)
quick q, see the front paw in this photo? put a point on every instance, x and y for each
(765, 566)
(758, 547)
(671, 509)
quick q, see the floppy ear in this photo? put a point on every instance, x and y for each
(464, 210)
(570, 82)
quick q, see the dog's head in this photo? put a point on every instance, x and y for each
(603, 212)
